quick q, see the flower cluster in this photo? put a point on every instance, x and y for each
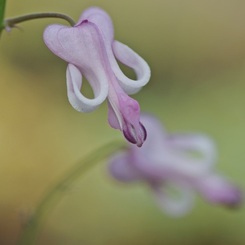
(184, 162)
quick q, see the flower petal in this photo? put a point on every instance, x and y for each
(121, 168)
(124, 114)
(218, 190)
(188, 157)
(135, 133)
(76, 99)
(122, 52)
(131, 59)
(194, 143)
(153, 147)
(175, 205)
(101, 19)
(81, 46)
(168, 156)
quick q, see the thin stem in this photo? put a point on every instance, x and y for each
(11, 22)
(51, 198)
(2, 10)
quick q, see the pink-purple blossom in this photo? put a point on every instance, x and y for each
(174, 166)
(90, 50)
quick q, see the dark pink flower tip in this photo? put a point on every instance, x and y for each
(134, 135)
(124, 114)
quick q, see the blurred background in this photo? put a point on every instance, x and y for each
(196, 50)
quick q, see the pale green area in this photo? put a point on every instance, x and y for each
(196, 50)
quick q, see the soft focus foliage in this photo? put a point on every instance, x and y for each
(196, 50)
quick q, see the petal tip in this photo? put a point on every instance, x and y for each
(135, 136)
(218, 191)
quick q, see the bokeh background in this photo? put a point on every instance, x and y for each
(196, 50)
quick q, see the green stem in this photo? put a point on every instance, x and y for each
(2, 10)
(30, 231)
(11, 22)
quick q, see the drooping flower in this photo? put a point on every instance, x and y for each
(91, 51)
(175, 166)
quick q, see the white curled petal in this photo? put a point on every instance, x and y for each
(198, 143)
(131, 59)
(75, 97)
(176, 206)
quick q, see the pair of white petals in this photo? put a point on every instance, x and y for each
(100, 81)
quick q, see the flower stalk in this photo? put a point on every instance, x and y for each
(11, 22)
(55, 194)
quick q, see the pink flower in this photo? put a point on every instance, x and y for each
(183, 162)
(90, 50)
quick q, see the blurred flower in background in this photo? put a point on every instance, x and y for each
(184, 161)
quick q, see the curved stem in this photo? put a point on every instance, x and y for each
(53, 196)
(11, 22)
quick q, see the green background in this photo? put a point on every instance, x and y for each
(196, 51)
